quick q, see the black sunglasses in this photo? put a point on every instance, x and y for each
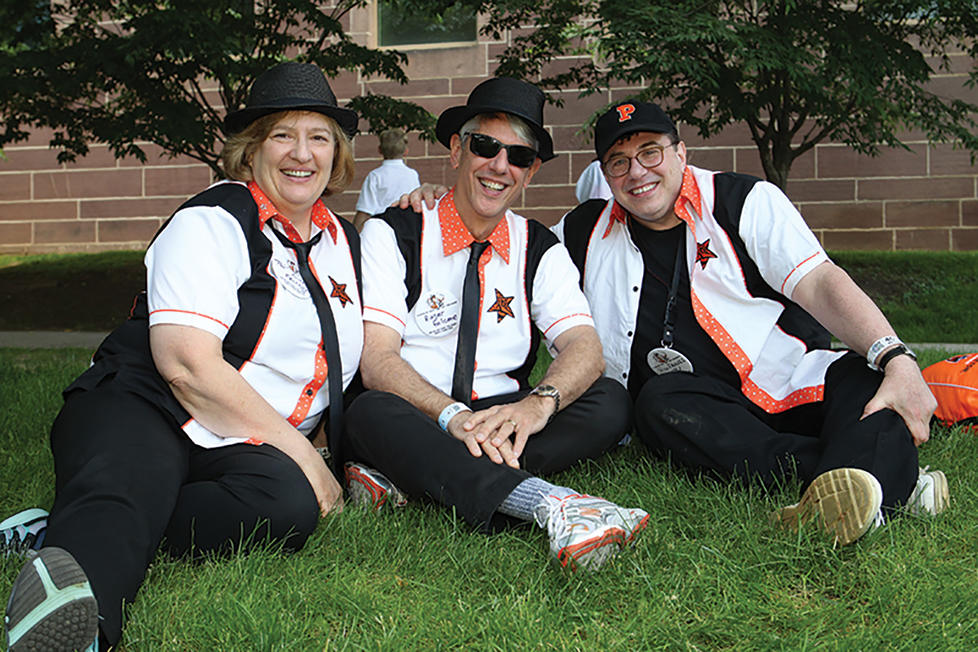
(487, 147)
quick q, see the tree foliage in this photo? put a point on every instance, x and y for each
(795, 72)
(128, 72)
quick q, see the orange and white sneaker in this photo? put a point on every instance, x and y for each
(630, 520)
(585, 531)
(370, 488)
(846, 502)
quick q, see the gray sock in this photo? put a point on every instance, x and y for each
(527, 495)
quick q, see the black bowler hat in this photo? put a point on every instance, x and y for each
(626, 118)
(499, 95)
(291, 86)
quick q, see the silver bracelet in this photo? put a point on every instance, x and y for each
(449, 413)
(877, 348)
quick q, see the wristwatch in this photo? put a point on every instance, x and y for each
(552, 392)
(899, 349)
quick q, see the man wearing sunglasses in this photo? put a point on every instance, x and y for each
(455, 299)
(712, 298)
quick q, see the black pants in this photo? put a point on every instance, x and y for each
(391, 435)
(127, 477)
(707, 425)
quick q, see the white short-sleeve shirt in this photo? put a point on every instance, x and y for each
(429, 328)
(195, 269)
(385, 184)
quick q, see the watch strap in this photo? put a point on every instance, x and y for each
(552, 392)
(900, 349)
(877, 347)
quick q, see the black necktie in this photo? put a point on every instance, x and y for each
(334, 366)
(468, 328)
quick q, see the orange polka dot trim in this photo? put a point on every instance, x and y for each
(321, 216)
(455, 236)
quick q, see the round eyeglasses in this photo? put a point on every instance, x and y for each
(618, 166)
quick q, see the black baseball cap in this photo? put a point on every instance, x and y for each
(626, 118)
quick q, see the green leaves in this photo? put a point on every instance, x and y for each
(125, 72)
(796, 72)
(383, 112)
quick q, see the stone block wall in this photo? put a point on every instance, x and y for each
(922, 198)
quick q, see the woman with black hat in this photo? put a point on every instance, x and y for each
(193, 423)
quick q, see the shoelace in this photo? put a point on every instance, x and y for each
(554, 519)
(15, 543)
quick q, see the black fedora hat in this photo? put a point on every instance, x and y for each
(291, 86)
(499, 95)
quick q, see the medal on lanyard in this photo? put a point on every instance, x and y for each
(664, 359)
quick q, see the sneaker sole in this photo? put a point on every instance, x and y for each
(592, 553)
(51, 605)
(845, 501)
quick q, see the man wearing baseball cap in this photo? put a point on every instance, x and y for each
(712, 298)
(455, 299)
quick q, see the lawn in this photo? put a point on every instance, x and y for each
(929, 297)
(709, 572)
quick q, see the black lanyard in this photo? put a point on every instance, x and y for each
(668, 325)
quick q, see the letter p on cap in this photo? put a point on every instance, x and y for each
(625, 112)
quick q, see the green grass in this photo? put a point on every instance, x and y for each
(83, 292)
(708, 573)
(927, 296)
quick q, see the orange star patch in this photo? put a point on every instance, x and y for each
(703, 253)
(501, 307)
(339, 292)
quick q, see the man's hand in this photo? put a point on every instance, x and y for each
(427, 194)
(501, 431)
(904, 391)
(502, 454)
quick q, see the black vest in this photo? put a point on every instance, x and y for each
(407, 226)
(124, 357)
(731, 192)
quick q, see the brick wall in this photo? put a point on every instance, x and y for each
(924, 198)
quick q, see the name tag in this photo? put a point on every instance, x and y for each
(286, 272)
(437, 313)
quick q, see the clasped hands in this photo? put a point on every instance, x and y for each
(501, 431)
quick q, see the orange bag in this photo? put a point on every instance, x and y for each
(954, 383)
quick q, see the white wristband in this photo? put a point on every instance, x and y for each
(877, 348)
(449, 413)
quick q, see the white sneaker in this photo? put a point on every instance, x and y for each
(585, 531)
(371, 488)
(930, 496)
(845, 501)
